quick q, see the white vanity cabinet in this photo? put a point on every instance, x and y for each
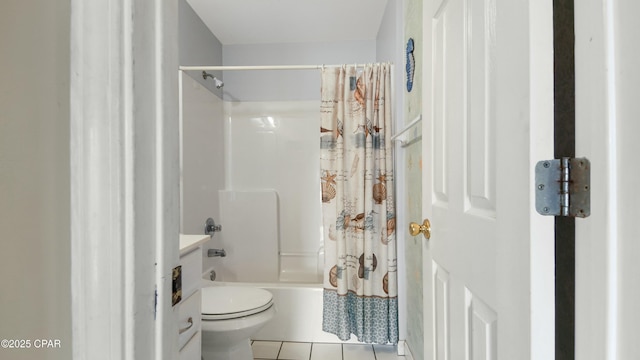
(188, 309)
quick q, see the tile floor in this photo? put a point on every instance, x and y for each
(272, 350)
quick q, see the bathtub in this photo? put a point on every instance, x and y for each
(299, 312)
(258, 256)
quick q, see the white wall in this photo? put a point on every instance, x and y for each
(285, 85)
(198, 46)
(34, 176)
(413, 184)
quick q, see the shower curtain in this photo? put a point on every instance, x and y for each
(358, 210)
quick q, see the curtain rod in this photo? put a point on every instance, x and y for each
(261, 67)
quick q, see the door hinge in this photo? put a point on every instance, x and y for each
(563, 187)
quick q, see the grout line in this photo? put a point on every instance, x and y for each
(373, 349)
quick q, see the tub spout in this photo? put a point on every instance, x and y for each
(216, 252)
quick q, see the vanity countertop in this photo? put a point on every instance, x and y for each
(189, 242)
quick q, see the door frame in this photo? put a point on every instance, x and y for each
(124, 178)
(607, 245)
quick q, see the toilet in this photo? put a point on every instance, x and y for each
(230, 316)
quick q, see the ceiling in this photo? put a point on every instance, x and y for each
(290, 21)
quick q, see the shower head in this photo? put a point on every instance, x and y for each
(218, 82)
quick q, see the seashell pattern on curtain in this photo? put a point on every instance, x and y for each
(358, 208)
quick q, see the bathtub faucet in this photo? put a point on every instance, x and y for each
(210, 227)
(216, 252)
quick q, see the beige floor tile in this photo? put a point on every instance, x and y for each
(326, 351)
(295, 351)
(266, 349)
(387, 352)
(357, 352)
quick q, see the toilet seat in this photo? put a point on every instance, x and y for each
(231, 302)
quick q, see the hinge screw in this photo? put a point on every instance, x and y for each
(546, 164)
(541, 187)
(546, 209)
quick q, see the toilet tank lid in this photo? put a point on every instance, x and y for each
(218, 300)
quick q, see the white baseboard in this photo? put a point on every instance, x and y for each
(400, 347)
(406, 350)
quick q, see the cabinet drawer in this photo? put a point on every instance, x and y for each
(189, 309)
(191, 272)
(192, 351)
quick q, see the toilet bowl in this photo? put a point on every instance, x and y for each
(230, 315)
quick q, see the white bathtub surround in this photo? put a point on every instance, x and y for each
(301, 267)
(249, 236)
(358, 205)
(273, 146)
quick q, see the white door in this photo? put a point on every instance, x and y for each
(488, 110)
(607, 128)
